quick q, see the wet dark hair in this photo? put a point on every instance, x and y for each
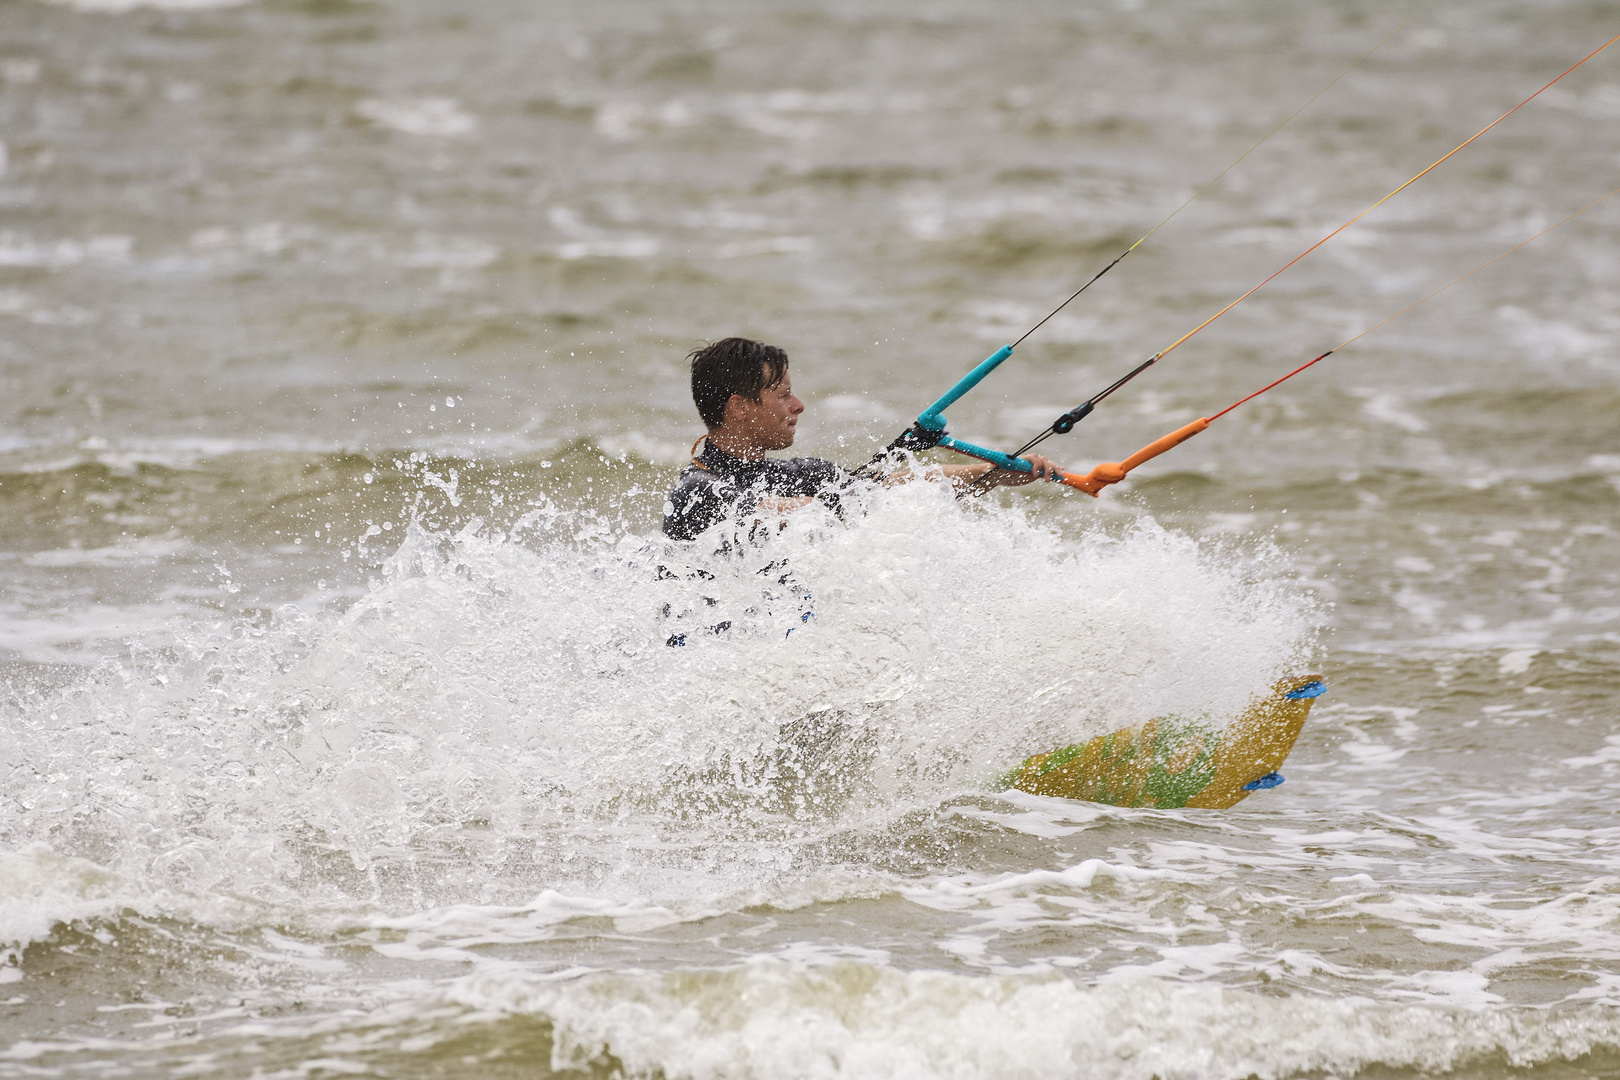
(732, 365)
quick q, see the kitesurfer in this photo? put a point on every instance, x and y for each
(745, 398)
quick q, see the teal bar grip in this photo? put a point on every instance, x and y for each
(994, 457)
(933, 417)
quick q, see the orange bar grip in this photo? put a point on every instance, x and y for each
(1112, 472)
(1174, 439)
(1095, 480)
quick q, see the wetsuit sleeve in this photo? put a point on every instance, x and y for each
(813, 476)
(821, 478)
(695, 504)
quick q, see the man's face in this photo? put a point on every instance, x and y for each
(769, 423)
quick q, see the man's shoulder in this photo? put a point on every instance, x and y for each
(696, 482)
(695, 502)
(694, 475)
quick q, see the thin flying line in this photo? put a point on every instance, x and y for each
(1291, 115)
(1361, 60)
(1268, 386)
(1482, 266)
(1425, 300)
(1178, 342)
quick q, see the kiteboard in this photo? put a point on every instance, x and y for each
(1172, 762)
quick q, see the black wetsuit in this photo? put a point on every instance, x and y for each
(717, 486)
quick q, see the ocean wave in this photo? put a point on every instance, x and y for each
(781, 1019)
(772, 1017)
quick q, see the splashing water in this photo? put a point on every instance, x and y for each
(554, 704)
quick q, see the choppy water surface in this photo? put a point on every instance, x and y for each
(341, 353)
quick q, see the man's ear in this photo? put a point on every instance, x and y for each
(729, 414)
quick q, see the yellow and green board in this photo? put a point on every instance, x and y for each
(1173, 761)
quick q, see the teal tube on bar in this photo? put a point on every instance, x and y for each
(994, 457)
(933, 417)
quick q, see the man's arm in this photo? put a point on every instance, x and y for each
(983, 475)
(979, 476)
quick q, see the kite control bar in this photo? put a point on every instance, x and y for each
(929, 432)
(1111, 472)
